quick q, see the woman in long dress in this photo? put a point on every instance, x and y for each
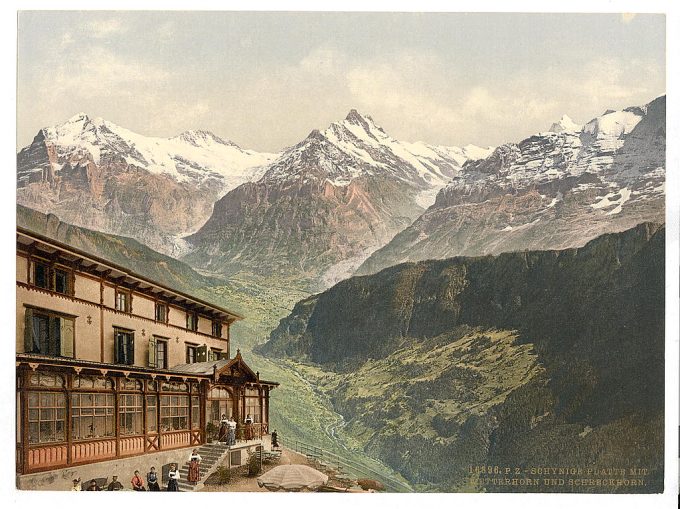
(232, 431)
(249, 427)
(224, 429)
(194, 467)
(173, 477)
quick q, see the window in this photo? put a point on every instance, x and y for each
(48, 333)
(253, 404)
(158, 352)
(151, 414)
(46, 417)
(161, 354)
(174, 413)
(130, 414)
(55, 279)
(41, 275)
(92, 415)
(214, 354)
(217, 328)
(219, 403)
(124, 345)
(195, 413)
(192, 321)
(61, 281)
(191, 354)
(122, 301)
(161, 312)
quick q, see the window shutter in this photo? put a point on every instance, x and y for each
(131, 351)
(29, 333)
(152, 352)
(202, 354)
(67, 334)
(53, 340)
(116, 347)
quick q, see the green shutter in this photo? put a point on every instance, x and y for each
(116, 347)
(152, 352)
(54, 336)
(67, 332)
(131, 352)
(202, 354)
(28, 331)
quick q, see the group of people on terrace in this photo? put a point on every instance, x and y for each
(227, 430)
(152, 478)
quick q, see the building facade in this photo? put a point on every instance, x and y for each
(111, 364)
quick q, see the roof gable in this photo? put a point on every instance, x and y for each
(237, 368)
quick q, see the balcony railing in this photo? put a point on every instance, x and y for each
(347, 466)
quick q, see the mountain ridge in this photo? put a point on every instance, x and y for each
(325, 203)
(527, 358)
(552, 190)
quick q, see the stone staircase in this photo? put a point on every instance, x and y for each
(211, 457)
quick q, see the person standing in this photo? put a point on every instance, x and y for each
(275, 440)
(152, 480)
(76, 485)
(137, 482)
(231, 440)
(249, 427)
(173, 477)
(224, 429)
(194, 467)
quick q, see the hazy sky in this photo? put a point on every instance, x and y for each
(265, 80)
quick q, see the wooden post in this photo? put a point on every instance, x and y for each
(69, 440)
(101, 318)
(144, 429)
(259, 393)
(24, 422)
(116, 409)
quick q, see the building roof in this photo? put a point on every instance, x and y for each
(222, 367)
(96, 264)
(196, 370)
(200, 368)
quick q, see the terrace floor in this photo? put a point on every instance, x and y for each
(240, 480)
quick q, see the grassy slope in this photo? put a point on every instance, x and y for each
(427, 392)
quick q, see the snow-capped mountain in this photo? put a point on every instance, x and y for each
(196, 157)
(564, 124)
(327, 202)
(96, 174)
(553, 190)
(357, 147)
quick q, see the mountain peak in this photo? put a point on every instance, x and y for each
(354, 117)
(564, 124)
(78, 117)
(201, 137)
